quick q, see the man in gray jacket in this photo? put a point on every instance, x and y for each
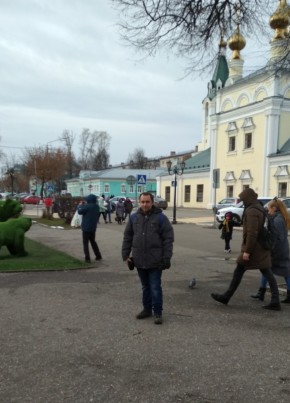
(149, 236)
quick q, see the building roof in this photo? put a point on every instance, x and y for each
(119, 173)
(199, 161)
(220, 75)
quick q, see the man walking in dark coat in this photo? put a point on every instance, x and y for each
(253, 255)
(149, 236)
(90, 214)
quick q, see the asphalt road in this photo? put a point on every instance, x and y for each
(72, 336)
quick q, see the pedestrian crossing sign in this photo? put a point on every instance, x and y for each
(141, 179)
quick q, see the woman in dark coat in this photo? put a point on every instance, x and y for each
(253, 255)
(280, 253)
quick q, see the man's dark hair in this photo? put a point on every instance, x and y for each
(147, 194)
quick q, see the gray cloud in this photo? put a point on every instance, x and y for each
(63, 67)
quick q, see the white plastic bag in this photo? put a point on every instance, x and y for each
(76, 220)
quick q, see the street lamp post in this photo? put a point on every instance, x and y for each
(176, 170)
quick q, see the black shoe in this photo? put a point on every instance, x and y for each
(287, 299)
(88, 260)
(273, 306)
(99, 258)
(158, 319)
(143, 314)
(260, 294)
(220, 298)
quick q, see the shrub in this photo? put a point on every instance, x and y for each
(66, 206)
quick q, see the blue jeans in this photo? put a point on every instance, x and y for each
(264, 281)
(152, 290)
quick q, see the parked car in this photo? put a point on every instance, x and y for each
(32, 199)
(160, 202)
(228, 201)
(5, 195)
(237, 211)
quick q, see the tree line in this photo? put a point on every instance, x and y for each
(47, 164)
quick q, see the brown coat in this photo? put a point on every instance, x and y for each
(253, 220)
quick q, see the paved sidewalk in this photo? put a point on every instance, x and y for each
(72, 336)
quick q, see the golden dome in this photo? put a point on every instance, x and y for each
(280, 19)
(236, 43)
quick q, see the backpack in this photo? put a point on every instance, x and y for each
(269, 234)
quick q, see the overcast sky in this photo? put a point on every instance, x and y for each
(63, 66)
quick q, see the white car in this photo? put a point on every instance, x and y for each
(237, 211)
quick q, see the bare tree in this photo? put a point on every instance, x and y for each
(68, 139)
(45, 164)
(137, 159)
(190, 28)
(2, 154)
(88, 142)
(102, 158)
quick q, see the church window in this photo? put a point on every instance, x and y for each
(248, 140)
(232, 143)
(199, 193)
(187, 189)
(282, 191)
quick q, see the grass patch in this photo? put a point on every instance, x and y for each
(54, 222)
(40, 257)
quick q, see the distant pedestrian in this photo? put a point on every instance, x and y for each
(89, 210)
(120, 211)
(102, 209)
(253, 255)
(227, 231)
(149, 236)
(109, 209)
(280, 254)
(128, 206)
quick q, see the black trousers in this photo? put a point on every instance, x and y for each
(90, 237)
(237, 278)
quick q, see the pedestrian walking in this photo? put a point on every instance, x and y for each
(128, 206)
(280, 254)
(227, 231)
(149, 237)
(102, 209)
(253, 255)
(109, 209)
(89, 210)
(120, 211)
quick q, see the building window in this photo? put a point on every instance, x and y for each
(282, 191)
(107, 188)
(232, 143)
(230, 191)
(199, 193)
(140, 189)
(131, 189)
(167, 193)
(187, 189)
(123, 188)
(245, 187)
(248, 140)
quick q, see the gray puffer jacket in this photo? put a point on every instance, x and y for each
(149, 237)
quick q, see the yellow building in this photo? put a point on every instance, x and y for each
(246, 130)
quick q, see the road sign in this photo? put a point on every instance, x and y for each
(174, 184)
(131, 180)
(141, 179)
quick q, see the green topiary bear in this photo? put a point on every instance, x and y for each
(9, 208)
(12, 235)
